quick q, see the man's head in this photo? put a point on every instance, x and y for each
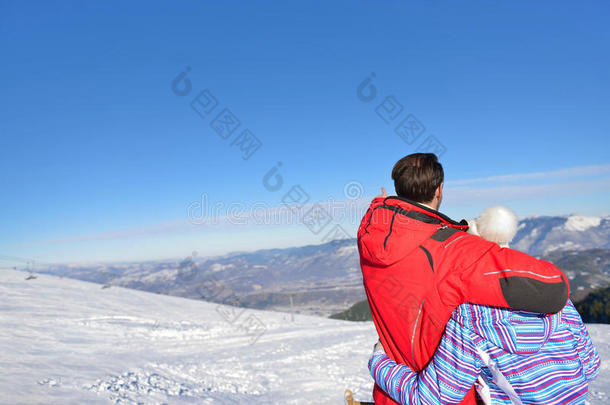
(419, 177)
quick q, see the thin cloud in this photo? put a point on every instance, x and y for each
(561, 173)
(350, 210)
(162, 228)
(484, 189)
(458, 195)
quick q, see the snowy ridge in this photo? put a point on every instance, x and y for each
(579, 223)
(538, 235)
(72, 342)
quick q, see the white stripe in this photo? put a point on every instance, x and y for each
(414, 329)
(521, 271)
(459, 237)
(498, 378)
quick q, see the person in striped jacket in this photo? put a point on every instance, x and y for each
(511, 357)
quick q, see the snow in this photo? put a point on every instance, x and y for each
(579, 223)
(347, 250)
(568, 245)
(220, 267)
(72, 342)
(159, 276)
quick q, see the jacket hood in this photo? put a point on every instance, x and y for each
(519, 332)
(394, 226)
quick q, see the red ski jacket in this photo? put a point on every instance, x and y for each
(418, 265)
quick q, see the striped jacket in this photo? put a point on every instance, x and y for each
(544, 359)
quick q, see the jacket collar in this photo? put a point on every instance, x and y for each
(427, 214)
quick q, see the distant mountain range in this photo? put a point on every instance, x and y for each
(587, 270)
(540, 235)
(325, 279)
(314, 279)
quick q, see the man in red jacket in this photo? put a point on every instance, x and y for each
(418, 265)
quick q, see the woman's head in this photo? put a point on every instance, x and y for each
(496, 224)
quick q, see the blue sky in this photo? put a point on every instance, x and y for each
(100, 159)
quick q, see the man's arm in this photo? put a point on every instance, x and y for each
(486, 274)
(446, 379)
(589, 357)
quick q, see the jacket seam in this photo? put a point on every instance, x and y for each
(429, 256)
(391, 227)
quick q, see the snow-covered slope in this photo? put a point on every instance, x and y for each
(65, 341)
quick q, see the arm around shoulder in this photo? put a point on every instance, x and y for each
(505, 277)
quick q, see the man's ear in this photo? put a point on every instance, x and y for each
(439, 191)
